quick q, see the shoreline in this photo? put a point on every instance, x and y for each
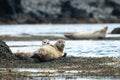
(69, 67)
(91, 66)
(31, 38)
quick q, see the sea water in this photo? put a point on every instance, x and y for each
(50, 29)
(87, 48)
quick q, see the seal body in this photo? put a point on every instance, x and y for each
(50, 52)
(24, 55)
(97, 34)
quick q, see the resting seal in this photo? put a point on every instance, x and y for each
(45, 42)
(24, 55)
(28, 55)
(97, 34)
(50, 52)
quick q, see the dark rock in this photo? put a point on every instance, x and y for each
(115, 5)
(94, 4)
(5, 9)
(116, 11)
(34, 14)
(112, 3)
(40, 14)
(17, 6)
(59, 11)
(116, 31)
(68, 9)
(5, 52)
(9, 8)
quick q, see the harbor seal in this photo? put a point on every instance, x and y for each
(97, 34)
(27, 55)
(30, 54)
(50, 52)
(45, 42)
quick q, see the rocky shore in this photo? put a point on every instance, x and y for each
(88, 66)
(59, 11)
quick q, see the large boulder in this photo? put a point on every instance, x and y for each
(116, 31)
(5, 52)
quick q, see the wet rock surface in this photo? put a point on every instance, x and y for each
(116, 31)
(5, 52)
(59, 11)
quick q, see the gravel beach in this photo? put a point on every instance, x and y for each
(104, 66)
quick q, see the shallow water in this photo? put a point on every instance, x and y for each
(87, 48)
(49, 29)
(93, 48)
(38, 74)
